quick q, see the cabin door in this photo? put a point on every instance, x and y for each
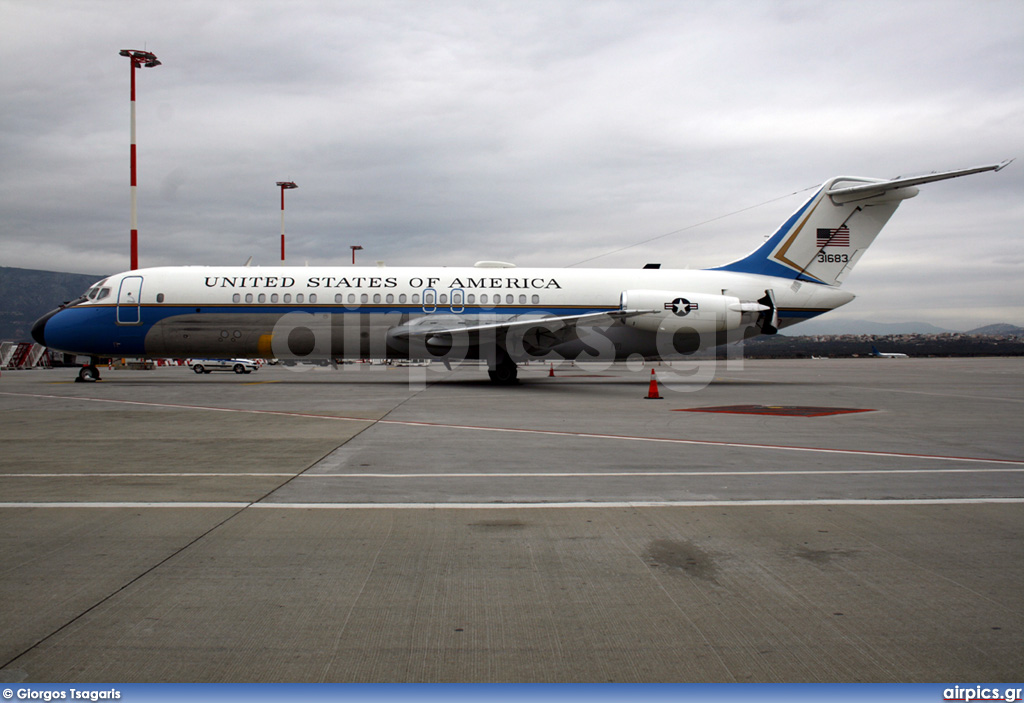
(129, 296)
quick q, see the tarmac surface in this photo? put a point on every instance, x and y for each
(417, 524)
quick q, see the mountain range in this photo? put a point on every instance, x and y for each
(28, 294)
(827, 327)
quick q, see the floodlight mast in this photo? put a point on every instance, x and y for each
(285, 185)
(139, 59)
(354, 248)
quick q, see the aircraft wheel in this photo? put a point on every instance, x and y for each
(198, 368)
(89, 373)
(239, 368)
(506, 374)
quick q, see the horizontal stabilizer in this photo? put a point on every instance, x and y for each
(870, 190)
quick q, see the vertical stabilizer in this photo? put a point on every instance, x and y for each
(823, 240)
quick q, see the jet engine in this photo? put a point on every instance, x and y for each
(672, 311)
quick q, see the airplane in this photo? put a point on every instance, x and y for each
(492, 311)
(886, 355)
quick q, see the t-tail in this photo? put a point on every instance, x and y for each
(823, 240)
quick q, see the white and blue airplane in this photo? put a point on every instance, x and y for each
(886, 355)
(492, 311)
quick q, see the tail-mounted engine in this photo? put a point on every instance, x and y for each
(671, 311)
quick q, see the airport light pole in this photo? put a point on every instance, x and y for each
(354, 248)
(139, 59)
(285, 185)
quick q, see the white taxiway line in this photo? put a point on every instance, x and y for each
(524, 506)
(522, 474)
(630, 474)
(549, 433)
(168, 474)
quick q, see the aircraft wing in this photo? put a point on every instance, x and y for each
(869, 190)
(538, 333)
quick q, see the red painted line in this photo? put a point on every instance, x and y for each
(550, 433)
(775, 410)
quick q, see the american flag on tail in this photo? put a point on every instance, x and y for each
(839, 237)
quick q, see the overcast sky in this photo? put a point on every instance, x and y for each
(541, 133)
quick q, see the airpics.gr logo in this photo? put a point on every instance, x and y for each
(980, 693)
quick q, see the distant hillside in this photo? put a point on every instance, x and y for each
(828, 326)
(958, 344)
(26, 295)
(998, 329)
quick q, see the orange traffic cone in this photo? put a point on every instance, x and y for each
(652, 391)
(551, 371)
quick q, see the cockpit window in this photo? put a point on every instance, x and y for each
(96, 293)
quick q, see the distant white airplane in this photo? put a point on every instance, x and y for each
(492, 311)
(886, 355)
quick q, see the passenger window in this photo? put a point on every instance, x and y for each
(483, 299)
(470, 298)
(376, 297)
(401, 297)
(338, 297)
(522, 299)
(390, 298)
(299, 297)
(535, 299)
(159, 297)
(444, 299)
(262, 298)
(248, 297)
(312, 297)
(236, 298)
(287, 297)
(351, 297)
(510, 299)
(364, 298)
(415, 298)
(273, 297)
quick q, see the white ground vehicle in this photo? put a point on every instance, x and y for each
(236, 365)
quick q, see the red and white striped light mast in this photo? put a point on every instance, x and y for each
(139, 59)
(285, 185)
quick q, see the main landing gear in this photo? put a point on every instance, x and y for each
(504, 370)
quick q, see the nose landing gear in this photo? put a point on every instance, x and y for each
(90, 372)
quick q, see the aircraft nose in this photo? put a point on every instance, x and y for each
(39, 327)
